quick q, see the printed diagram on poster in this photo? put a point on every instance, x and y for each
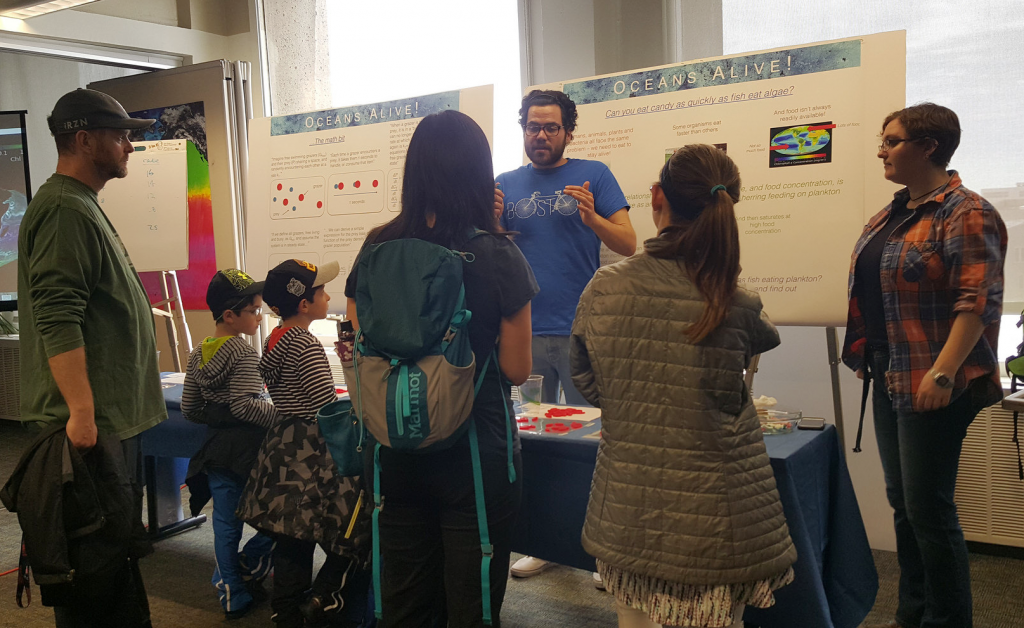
(802, 125)
(319, 181)
(801, 145)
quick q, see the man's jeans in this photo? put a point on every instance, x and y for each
(920, 457)
(551, 359)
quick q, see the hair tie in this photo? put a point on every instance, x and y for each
(717, 188)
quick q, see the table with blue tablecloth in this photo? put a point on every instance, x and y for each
(835, 581)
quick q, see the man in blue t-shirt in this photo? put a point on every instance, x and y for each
(563, 210)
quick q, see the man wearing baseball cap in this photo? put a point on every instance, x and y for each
(88, 341)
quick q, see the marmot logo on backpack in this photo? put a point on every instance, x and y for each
(414, 398)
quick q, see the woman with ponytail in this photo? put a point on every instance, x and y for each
(684, 517)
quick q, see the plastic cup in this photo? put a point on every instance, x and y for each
(530, 390)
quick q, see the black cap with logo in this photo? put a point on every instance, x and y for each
(293, 280)
(87, 109)
(229, 289)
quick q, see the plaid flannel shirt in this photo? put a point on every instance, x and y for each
(945, 259)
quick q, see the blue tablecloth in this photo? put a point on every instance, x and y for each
(835, 581)
(175, 437)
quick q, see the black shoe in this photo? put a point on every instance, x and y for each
(259, 596)
(240, 613)
(256, 590)
(290, 621)
(322, 610)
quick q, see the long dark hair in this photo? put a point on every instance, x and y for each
(703, 235)
(448, 174)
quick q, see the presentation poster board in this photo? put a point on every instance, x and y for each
(319, 181)
(802, 124)
(149, 207)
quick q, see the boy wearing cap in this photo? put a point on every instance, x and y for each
(224, 390)
(294, 492)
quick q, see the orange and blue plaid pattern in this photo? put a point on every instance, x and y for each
(945, 259)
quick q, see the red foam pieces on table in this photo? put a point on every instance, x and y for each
(575, 425)
(527, 427)
(558, 413)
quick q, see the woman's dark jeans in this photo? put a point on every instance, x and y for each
(920, 454)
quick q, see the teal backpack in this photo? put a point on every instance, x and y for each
(413, 367)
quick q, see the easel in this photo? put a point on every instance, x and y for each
(832, 340)
(173, 316)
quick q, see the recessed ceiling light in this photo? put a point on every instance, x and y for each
(24, 9)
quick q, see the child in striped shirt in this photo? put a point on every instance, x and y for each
(224, 390)
(295, 492)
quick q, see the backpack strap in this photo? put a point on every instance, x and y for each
(493, 357)
(24, 592)
(378, 504)
(486, 549)
(356, 348)
(460, 319)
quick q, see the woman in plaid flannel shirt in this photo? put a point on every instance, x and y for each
(926, 294)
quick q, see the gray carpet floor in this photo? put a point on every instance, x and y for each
(177, 577)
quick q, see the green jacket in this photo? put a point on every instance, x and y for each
(77, 287)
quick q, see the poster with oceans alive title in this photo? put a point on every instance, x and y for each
(319, 181)
(802, 123)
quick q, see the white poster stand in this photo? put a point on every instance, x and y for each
(801, 123)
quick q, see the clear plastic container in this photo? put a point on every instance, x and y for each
(774, 416)
(775, 428)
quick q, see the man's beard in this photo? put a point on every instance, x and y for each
(113, 169)
(554, 156)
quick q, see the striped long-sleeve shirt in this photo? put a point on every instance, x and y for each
(227, 371)
(297, 373)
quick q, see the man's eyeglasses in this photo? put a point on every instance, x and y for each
(551, 129)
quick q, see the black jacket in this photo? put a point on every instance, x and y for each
(79, 512)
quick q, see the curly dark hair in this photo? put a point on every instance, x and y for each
(544, 97)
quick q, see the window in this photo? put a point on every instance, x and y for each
(960, 55)
(389, 50)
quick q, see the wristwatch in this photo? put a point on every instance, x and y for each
(942, 380)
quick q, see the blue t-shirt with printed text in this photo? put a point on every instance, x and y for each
(563, 252)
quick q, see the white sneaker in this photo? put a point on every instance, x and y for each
(528, 566)
(598, 582)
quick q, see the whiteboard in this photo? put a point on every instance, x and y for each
(149, 207)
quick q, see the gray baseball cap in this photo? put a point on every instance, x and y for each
(87, 109)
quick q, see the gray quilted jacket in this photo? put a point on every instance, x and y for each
(683, 488)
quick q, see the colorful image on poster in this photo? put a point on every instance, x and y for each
(187, 122)
(801, 145)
